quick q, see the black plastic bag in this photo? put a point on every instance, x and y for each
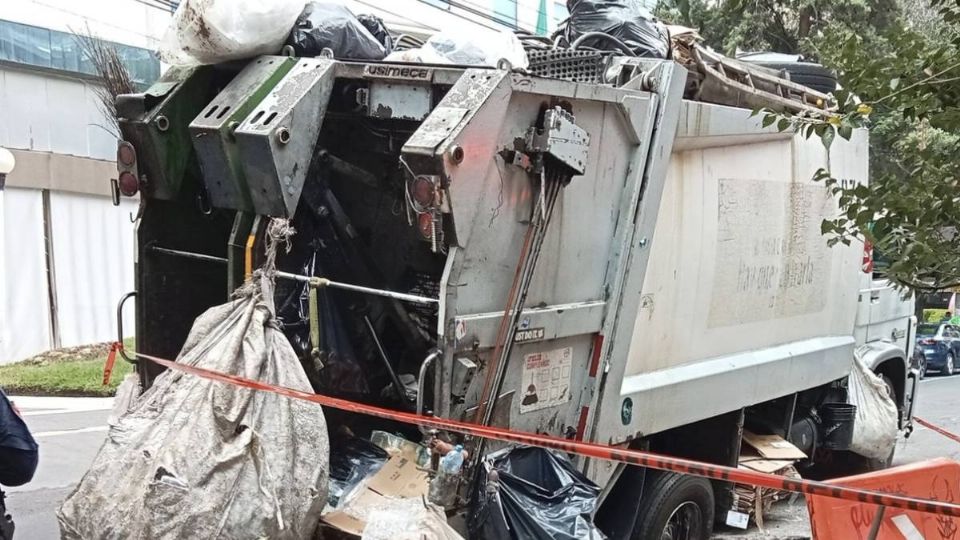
(329, 25)
(533, 493)
(377, 29)
(626, 20)
(351, 461)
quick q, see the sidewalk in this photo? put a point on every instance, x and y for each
(37, 406)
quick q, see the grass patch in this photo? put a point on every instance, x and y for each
(65, 373)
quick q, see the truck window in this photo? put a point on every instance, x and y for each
(927, 329)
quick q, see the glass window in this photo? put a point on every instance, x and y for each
(560, 12)
(927, 329)
(505, 11)
(34, 46)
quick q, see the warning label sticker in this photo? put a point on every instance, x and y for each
(546, 379)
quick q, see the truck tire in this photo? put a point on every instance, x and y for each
(813, 76)
(675, 507)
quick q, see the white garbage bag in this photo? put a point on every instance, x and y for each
(875, 429)
(213, 31)
(125, 398)
(193, 458)
(468, 47)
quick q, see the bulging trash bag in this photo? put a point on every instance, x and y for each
(625, 20)
(469, 47)
(329, 25)
(193, 458)
(875, 428)
(533, 493)
(213, 31)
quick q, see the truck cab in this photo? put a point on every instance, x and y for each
(885, 333)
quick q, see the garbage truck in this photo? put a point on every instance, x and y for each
(581, 249)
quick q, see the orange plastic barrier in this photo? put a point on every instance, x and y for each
(935, 479)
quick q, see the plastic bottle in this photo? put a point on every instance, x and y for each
(453, 461)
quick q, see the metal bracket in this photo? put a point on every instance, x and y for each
(276, 141)
(212, 130)
(561, 139)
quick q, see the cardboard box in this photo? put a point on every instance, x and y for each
(398, 478)
(773, 447)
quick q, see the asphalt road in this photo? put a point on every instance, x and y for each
(939, 404)
(70, 431)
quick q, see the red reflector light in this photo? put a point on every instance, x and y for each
(129, 186)
(126, 155)
(867, 264)
(927, 342)
(425, 224)
(423, 191)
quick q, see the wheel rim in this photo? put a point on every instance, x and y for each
(949, 369)
(685, 523)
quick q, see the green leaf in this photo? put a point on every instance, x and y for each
(827, 138)
(768, 120)
(845, 131)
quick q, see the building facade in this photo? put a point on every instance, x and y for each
(65, 251)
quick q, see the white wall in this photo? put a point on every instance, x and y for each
(92, 241)
(93, 262)
(24, 302)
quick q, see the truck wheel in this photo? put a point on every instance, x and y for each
(675, 507)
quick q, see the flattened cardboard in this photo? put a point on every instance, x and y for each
(751, 459)
(773, 447)
(769, 466)
(351, 519)
(398, 478)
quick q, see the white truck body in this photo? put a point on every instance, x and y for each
(743, 301)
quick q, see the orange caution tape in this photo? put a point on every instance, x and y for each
(938, 429)
(592, 450)
(111, 359)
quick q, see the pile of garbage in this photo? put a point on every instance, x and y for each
(389, 488)
(214, 31)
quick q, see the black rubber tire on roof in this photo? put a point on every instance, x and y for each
(814, 76)
(664, 495)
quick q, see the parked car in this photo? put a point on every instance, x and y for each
(938, 347)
